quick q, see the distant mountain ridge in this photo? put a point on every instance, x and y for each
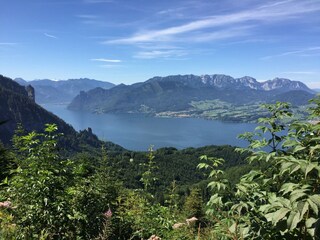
(17, 106)
(62, 91)
(225, 81)
(177, 92)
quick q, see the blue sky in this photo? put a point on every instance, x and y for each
(126, 41)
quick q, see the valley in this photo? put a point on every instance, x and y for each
(117, 179)
(227, 112)
(215, 97)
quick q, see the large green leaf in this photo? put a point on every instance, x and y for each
(279, 215)
(293, 220)
(310, 167)
(313, 206)
(303, 208)
(316, 199)
(296, 195)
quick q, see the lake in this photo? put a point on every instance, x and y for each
(138, 132)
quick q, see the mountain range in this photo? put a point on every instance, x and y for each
(17, 106)
(62, 91)
(178, 92)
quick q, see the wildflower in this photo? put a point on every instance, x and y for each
(154, 237)
(191, 220)
(108, 214)
(6, 204)
(178, 225)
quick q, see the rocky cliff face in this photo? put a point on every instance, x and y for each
(17, 106)
(222, 81)
(283, 83)
(31, 93)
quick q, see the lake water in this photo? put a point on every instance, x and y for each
(138, 132)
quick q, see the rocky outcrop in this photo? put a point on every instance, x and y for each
(31, 93)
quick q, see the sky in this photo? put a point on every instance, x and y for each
(127, 41)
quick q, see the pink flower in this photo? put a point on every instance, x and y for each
(108, 214)
(6, 204)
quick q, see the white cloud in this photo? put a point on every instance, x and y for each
(267, 13)
(305, 52)
(106, 60)
(160, 54)
(50, 36)
(87, 16)
(219, 34)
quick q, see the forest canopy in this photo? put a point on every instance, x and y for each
(273, 194)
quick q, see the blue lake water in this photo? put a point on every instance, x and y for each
(138, 132)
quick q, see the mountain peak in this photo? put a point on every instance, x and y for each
(284, 83)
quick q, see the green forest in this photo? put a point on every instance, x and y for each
(269, 190)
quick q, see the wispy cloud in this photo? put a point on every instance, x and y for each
(310, 51)
(220, 34)
(7, 43)
(160, 54)
(106, 60)
(87, 16)
(275, 12)
(91, 19)
(301, 72)
(172, 12)
(97, 1)
(50, 36)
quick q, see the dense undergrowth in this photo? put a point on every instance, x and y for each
(276, 195)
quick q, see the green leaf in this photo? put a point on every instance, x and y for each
(245, 232)
(232, 228)
(313, 206)
(298, 148)
(309, 168)
(304, 209)
(293, 220)
(262, 128)
(310, 222)
(288, 187)
(202, 165)
(316, 199)
(204, 157)
(279, 215)
(315, 149)
(268, 216)
(296, 195)
(296, 168)
(286, 166)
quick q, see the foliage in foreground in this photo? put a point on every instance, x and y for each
(51, 197)
(280, 200)
(44, 196)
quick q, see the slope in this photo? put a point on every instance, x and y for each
(16, 107)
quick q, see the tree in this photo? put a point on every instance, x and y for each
(193, 204)
(50, 199)
(278, 202)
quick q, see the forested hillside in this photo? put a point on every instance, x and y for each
(272, 194)
(17, 108)
(179, 95)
